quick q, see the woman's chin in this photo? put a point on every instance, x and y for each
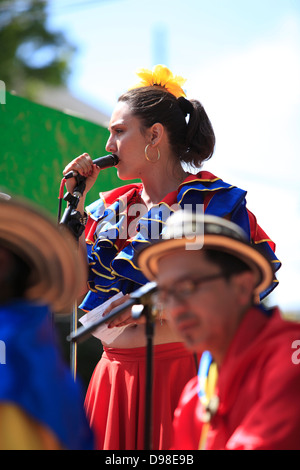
(123, 175)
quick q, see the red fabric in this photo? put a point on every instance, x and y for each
(258, 387)
(257, 233)
(111, 196)
(117, 415)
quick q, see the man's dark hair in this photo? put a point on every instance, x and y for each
(228, 263)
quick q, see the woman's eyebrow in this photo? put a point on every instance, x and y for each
(115, 124)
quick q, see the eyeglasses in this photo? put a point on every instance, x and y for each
(181, 290)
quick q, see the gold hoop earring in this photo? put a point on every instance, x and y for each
(147, 157)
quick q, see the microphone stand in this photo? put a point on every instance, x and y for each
(73, 200)
(149, 331)
(141, 297)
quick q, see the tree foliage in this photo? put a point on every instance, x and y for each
(31, 54)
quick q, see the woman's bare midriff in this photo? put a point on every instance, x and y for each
(134, 336)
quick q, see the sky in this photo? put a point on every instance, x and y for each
(241, 59)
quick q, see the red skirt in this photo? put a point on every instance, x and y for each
(115, 400)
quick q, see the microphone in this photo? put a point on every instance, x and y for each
(103, 162)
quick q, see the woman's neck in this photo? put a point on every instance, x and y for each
(158, 184)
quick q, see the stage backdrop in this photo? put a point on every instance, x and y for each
(36, 144)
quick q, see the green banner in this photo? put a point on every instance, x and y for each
(37, 142)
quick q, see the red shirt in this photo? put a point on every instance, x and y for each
(258, 388)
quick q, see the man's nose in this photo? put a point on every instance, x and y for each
(175, 306)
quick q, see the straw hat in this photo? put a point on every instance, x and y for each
(191, 231)
(58, 268)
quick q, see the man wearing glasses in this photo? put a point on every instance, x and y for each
(246, 394)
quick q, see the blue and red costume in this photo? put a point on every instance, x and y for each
(112, 258)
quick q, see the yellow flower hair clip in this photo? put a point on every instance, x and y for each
(161, 76)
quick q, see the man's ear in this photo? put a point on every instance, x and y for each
(245, 284)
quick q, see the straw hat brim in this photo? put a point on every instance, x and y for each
(58, 267)
(148, 258)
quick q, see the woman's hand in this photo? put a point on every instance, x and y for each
(125, 318)
(84, 166)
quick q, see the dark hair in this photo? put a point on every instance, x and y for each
(228, 263)
(192, 141)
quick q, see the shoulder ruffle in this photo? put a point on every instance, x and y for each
(116, 230)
